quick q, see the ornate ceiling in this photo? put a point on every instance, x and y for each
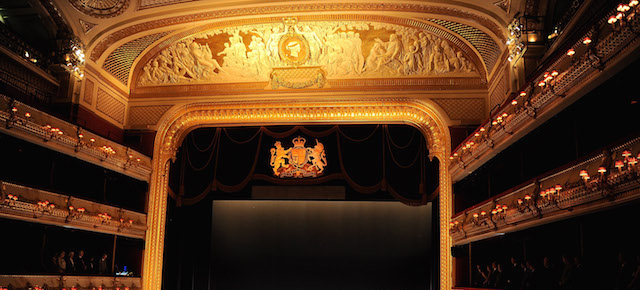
(150, 49)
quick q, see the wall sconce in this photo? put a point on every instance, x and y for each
(74, 213)
(104, 217)
(10, 200)
(481, 219)
(44, 207)
(454, 227)
(499, 213)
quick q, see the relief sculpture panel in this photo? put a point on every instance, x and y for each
(343, 50)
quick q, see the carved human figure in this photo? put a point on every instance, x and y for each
(357, 53)
(315, 45)
(279, 157)
(409, 65)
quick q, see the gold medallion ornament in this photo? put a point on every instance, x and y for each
(298, 161)
(293, 47)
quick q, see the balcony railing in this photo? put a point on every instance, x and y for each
(600, 182)
(38, 127)
(51, 282)
(33, 205)
(550, 91)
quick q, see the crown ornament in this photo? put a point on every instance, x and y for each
(299, 141)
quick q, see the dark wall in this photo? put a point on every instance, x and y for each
(597, 238)
(34, 166)
(29, 248)
(605, 116)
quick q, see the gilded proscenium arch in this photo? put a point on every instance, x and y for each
(431, 27)
(174, 128)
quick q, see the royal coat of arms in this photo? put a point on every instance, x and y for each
(298, 161)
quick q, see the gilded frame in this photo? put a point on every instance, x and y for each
(179, 122)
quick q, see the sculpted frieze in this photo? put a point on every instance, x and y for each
(345, 50)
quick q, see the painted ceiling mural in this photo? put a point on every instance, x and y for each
(346, 49)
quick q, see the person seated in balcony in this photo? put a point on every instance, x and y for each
(499, 280)
(71, 262)
(62, 264)
(530, 277)
(567, 276)
(548, 275)
(102, 265)
(623, 273)
(479, 276)
(634, 284)
(513, 275)
(81, 264)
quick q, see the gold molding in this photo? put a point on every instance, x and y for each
(176, 125)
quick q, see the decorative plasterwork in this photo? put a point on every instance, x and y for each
(101, 8)
(146, 115)
(98, 47)
(504, 5)
(119, 61)
(344, 49)
(182, 120)
(463, 109)
(486, 46)
(88, 92)
(145, 4)
(110, 106)
(86, 26)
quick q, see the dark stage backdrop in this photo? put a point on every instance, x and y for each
(320, 245)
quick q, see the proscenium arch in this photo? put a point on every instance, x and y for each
(176, 125)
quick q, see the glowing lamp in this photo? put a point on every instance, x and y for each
(472, 143)
(454, 155)
(121, 220)
(586, 41)
(475, 215)
(27, 114)
(523, 94)
(623, 8)
(476, 134)
(483, 213)
(80, 136)
(494, 211)
(130, 222)
(499, 209)
(554, 73)
(450, 157)
(541, 84)
(602, 170)
(571, 52)
(583, 173)
(527, 197)
(552, 190)
(514, 102)
(70, 207)
(612, 20)
(504, 115)
(619, 15)
(52, 205)
(130, 156)
(14, 109)
(558, 187)
(483, 129)
(455, 223)
(504, 207)
(81, 209)
(494, 122)
(520, 201)
(626, 153)
(633, 3)
(619, 164)
(451, 224)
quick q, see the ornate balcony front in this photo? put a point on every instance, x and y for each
(603, 181)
